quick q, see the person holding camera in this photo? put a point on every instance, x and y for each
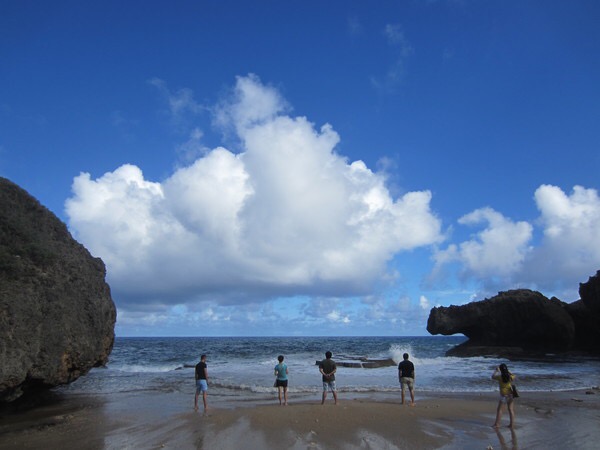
(504, 379)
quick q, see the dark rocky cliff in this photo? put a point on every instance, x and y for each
(522, 323)
(56, 314)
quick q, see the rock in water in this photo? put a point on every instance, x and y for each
(519, 318)
(56, 314)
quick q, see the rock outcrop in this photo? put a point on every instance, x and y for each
(586, 315)
(56, 313)
(590, 293)
(522, 323)
(513, 319)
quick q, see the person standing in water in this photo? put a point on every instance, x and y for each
(281, 372)
(328, 368)
(504, 378)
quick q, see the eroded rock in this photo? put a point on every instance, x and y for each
(56, 314)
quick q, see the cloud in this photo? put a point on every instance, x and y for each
(402, 49)
(193, 148)
(336, 316)
(284, 216)
(354, 26)
(504, 255)
(180, 103)
(570, 247)
(496, 252)
(396, 38)
(250, 105)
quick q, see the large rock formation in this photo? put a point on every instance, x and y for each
(590, 293)
(586, 315)
(523, 322)
(56, 313)
(513, 319)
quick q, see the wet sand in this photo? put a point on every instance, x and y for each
(149, 420)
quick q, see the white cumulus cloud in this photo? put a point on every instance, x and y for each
(570, 248)
(506, 255)
(286, 215)
(497, 251)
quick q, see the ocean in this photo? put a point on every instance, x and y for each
(242, 367)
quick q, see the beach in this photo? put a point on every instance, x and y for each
(561, 419)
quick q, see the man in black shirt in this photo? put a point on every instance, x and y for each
(201, 382)
(406, 376)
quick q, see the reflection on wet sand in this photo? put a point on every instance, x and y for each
(512, 445)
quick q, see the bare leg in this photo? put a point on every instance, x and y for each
(204, 401)
(279, 393)
(403, 396)
(335, 397)
(498, 415)
(196, 402)
(284, 396)
(412, 397)
(324, 397)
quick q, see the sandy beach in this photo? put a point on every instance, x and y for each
(167, 420)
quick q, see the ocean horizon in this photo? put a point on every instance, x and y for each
(243, 366)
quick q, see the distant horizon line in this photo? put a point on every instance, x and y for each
(293, 336)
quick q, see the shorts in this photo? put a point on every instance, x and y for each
(330, 385)
(281, 383)
(407, 381)
(506, 398)
(201, 386)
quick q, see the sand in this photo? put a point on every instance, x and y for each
(156, 420)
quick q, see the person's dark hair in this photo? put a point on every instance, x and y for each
(504, 373)
(327, 355)
(203, 357)
(280, 358)
(405, 356)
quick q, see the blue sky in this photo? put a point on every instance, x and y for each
(309, 168)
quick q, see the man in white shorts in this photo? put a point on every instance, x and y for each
(328, 368)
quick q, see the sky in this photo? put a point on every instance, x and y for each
(309, 168)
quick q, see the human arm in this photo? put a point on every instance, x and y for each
(206, 374)
(494, 375)
(321, 370)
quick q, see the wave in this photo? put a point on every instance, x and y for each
(140, 368)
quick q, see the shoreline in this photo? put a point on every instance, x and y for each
(152, 419)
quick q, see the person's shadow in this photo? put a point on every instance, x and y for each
(513, 440)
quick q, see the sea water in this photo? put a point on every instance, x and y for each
(243, 366)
